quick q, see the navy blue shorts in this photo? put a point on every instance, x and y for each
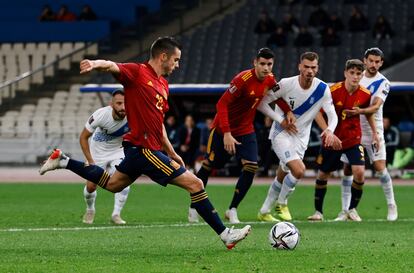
(218, 156)
(154, 164)
(330, 160)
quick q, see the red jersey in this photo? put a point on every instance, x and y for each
(236, 109)
(146, 97)
(348, 129)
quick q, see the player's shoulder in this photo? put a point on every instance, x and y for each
(289, 81)
(244, 75)
(103, 111)
(336, 86)
(364, 90)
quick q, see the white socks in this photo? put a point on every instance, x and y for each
(386, 183)
(271, 197)
(120, 199)
(346, 192)
(90, 198)
(288, 187)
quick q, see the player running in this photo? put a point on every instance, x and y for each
(346, 95)
(379, 87)
(101, 143)
(146, 102)
(306, 95)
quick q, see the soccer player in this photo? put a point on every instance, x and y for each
(233, 132)
(306, 95)
(101, 143)
(345, 95)
(379, 87)
(146, 101)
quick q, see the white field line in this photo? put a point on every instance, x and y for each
(160, 225)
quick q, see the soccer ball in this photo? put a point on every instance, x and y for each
(284, 235)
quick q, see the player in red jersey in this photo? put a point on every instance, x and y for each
(146, 94)
(232, 131)
(345, 95)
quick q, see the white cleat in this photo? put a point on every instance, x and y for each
(52, 163)
(231, 215)
(353, 215)
(316, 217)
(231, 236)
(117, 220)
(88, 217)
(392, 212)
(192, 215)
(342, 216)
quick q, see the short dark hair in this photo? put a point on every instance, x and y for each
(309, 55)
(266, 53)
(374, 51)
(119, 91)
(354, 63)
(165, 44)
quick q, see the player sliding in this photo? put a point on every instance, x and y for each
(306, 94)
(146, 94)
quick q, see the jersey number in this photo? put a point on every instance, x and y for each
(255, 102)
(160, 102)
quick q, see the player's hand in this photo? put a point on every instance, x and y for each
(352, 112)
(289, 127)
(290, 117)
(86, 66)
(230, 143)
(329, 139)
(376, 143)
(177, 158)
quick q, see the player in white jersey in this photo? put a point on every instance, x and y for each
(101, 143)
(306, 95)
(379, 87)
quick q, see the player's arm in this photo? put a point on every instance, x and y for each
(266, 109)
(169, 149)
(223, 114)
(84, 143)
(87, 66)
(375, 138)
(373, 108)
(330, 139)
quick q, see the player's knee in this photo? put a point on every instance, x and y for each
(196, 185)
(359, 174)
(90, 187)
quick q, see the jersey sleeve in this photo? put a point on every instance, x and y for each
(329, 109)
(128, 72)
(383, 90)
(95, 120)
(232, 93)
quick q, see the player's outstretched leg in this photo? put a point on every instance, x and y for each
(93, 173)
(264, 214)
(203, 174)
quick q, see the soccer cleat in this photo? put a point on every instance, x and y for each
(283, 213)
(353, 215)
(316, 217)
(88, 217)
(342, 216)
(117, 220)
(192, 215)
(392, 212)
(52, 162)
(231, 215)
(266, 217)
(231, 236)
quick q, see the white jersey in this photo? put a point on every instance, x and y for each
(305, 104)
(106, 140)
(379, 87)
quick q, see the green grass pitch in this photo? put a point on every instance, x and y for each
(41, 231)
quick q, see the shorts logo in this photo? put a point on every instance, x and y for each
(174, 164)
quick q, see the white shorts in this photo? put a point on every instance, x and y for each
(109, 160)
(373, 154)
(287, 148)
